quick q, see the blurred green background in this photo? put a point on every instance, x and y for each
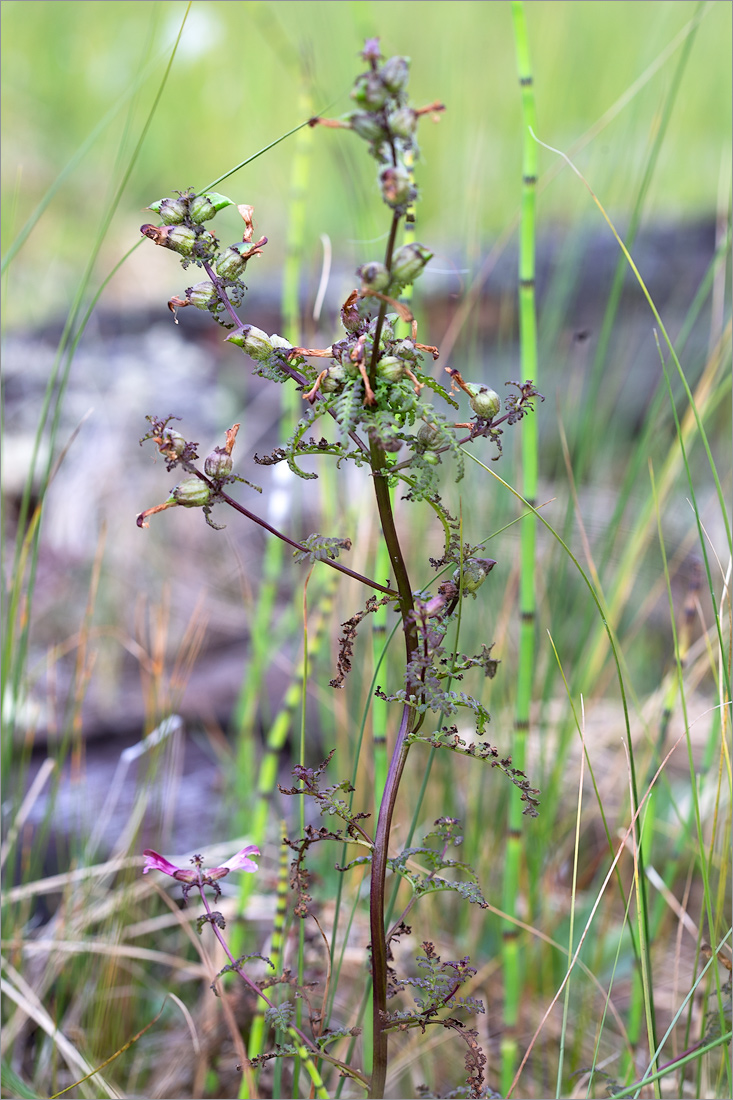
(246, 72)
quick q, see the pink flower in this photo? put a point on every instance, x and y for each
(197, 873)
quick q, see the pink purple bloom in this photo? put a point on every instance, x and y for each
(197, 873)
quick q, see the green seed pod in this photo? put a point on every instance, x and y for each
(253, 340)
(485, 402)
(202, 294)
(403, 123)
(204, 207)
(395, 73)
(429, 436)
(181, 239)
(374, 275)
(391, 368)
(430, 459)
(280, 342)
(405, 349)
(230, 264)
(475, 572)
(192, 493)
(396, 186)
(334, 379)
(370, 92)
(366, 126)
(408, 263)
(218, 464)
(170, 211)
(387, 336)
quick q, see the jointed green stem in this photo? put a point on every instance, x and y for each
(527, 598)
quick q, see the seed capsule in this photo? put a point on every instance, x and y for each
(334, 378)
(475, 572)
(202, 294)
(170, 211)
(374, 275)
(218, 464)
(204, 207)
(403, 122)
(391, 368)
(428, 436)
(395, 73)
(366, 126)
(484, 401)
(181, 239)
(192, 493)
(407, 264)
(396, 185)
(253, 340)
(171, 443)
(230, 264)
(370, 92)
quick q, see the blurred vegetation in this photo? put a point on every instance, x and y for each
(242, 69)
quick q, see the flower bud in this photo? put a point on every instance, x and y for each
(391, 368)
(395, 73)
(369, 91)
(485, 402)
(204, 207)
(218, 464)
(396, 185)
(374, 275)
(475, 572)
(253, 340)
(170, 211)
(366, 126)
(403, 123)
(231, 263)
(407, 264)
(192, 493)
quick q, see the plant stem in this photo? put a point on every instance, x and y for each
(295, 1033)
(394, 774)
(273, 531)
(376, 908)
